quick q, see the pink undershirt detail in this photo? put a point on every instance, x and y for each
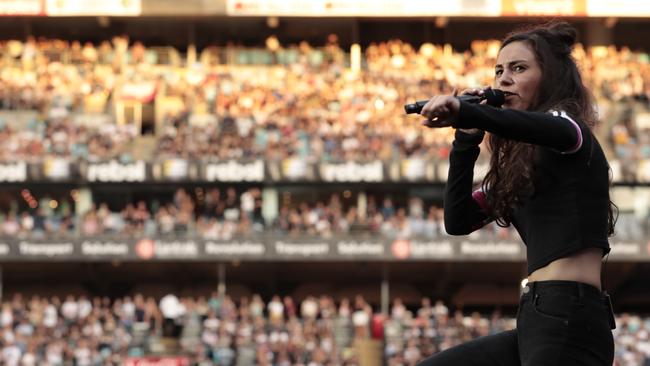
(481, 199)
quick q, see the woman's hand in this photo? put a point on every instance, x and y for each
(473, 91)
(477, 92)
(441, 111)
(445, 121)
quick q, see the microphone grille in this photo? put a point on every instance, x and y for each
(495, 97)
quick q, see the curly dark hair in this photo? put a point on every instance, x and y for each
(510, 177)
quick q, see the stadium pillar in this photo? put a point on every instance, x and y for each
(191, 55)
(362, 205)
(221, 273)
(27, 28)
(355, 31)
(191, 48)
(83, 201)
(269, 204)
(385, 293)
(355, 58)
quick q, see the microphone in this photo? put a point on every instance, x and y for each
(494, 97)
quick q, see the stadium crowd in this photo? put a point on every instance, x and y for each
(222, 213)
(214, 214)
(279, 102)
(215, 330)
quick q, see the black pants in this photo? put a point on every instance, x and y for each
(558, 323)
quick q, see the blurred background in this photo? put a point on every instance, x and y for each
(235, 182)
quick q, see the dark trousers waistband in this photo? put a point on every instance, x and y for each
(579, 289)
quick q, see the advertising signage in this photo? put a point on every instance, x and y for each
(282, 248)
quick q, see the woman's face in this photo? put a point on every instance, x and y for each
(518, 72)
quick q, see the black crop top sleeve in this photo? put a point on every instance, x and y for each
(464, 211)
(555, 130)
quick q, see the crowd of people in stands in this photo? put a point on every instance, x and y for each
(307, 104)
(216, 330)
(216, 214)
(59, 99)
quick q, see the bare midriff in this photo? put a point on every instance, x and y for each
(583, 266)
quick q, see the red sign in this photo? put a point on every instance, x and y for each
(145, 248)
(401, 248)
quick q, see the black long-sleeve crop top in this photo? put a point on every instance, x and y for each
(568, 210)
